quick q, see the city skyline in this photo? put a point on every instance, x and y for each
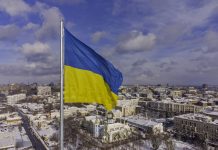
(145, 117)
(151, 42)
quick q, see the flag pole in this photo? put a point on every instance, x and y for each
(62, 89)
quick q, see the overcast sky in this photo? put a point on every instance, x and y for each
(150, 41)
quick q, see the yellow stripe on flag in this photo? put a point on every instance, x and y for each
(83, 86)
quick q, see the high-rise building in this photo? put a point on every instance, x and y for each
(44, 90)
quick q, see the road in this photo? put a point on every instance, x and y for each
(37, 144)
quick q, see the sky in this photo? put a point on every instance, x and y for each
(149, 41)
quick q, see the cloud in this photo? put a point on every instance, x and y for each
(139, 62)
(162, 42)
(9, 32)
(23, 69)
(38, 60)
(69, 25)
(172, 19)
(204, 63)
(38, 53)
(137, 41)
(14, 7)
(97, 36)
(51, 17)
(185, 44)
(211, 41)
(31, 26)
(67, 2)
(35, 48)
(35, 53)
(166, 63)
(15, 69)
(140, 72)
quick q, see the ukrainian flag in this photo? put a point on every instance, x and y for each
(88, 77)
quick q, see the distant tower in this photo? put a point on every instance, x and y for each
(96, 128)
(204, 86)
(146, 115)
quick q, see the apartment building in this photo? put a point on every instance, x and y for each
(127, 107)
(176, 93)
(13, 99)
(147, 126)
(116, 132)
(197, 126)
(169, 106)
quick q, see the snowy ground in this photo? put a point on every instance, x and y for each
(15, 137)
(146, 145)
(141, 145)
(22, 138)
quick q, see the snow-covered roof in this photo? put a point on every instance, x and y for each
(130, 102)
(13, 118)
(13, 136)
(213, 113)
(197, 117)
(116, 111)
(6, 140)
(141, 121)
(93, 118)
(215, 121)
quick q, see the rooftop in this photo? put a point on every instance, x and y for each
(141, 121)
(12, 138)
(197, 117)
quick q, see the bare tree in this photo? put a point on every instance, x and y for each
(38, 126)
(170, 145)
(54, 137)
(48, 108)
(20, 129)
(156, 141)
(71, 129)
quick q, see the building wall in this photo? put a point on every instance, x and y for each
(196, 128)
(176, 94)
(14, 122)
(127, 107)
(156, 128)
(13, 99)
(43, 90)
(116, 132)
(172, 107)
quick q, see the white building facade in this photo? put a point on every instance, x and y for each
(43, 90)
(13, 99)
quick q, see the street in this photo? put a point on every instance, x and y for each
(35, 141)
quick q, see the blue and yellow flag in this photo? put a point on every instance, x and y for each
(88, 77)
